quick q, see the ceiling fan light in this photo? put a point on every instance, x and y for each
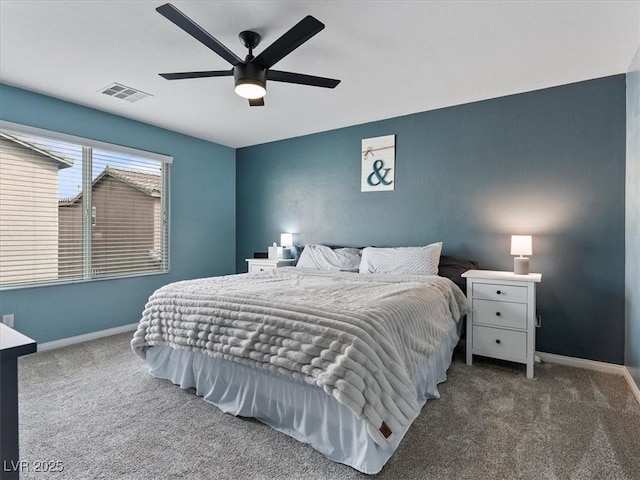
(250, 89)
(250, 80)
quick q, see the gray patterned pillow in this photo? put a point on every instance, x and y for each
(402, 260)
(321, 257)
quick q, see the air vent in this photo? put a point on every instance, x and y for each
(125, 93)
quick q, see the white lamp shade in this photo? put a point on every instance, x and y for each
(286, 239)
(521, 245)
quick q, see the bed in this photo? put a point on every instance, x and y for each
(340, 360)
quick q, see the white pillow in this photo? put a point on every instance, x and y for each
(402, 260)
(321, 257)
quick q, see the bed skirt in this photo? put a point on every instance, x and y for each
(304, 412)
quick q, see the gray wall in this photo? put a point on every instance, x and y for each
(550, 163)
(202, 220)
(632, 350)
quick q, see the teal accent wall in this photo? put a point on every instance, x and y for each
(550, 163)
(202, 219)
(632, 346)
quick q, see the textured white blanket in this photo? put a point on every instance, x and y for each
(360, 337)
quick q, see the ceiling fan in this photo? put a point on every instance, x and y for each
(252, 73)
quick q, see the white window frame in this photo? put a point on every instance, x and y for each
(91, 144)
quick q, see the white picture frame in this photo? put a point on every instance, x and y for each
(378, 164)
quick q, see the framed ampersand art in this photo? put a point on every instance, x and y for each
(378, 164)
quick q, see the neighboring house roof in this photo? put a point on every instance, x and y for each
(148, 183)
(66, 201)
(64, 162)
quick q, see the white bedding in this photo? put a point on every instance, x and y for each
(359, 337)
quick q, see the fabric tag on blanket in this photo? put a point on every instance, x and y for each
(385, 430)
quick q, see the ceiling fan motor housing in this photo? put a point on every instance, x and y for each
(250, 73)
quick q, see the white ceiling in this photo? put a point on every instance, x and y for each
(393, 57)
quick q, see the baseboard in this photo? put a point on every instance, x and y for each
(582, 363)
(65, 342)
(632, 384)
(592, 365)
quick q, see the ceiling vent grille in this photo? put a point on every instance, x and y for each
(123, 92)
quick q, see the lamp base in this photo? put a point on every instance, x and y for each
(521, 266)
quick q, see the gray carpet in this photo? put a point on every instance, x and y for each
(94, 408)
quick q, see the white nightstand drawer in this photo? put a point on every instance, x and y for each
(500, 314)
(499, 343)
(256, 265)
(505, 293)
(260, 267)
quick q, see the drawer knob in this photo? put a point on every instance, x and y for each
(498, 314)
(499, 292)
(498, 341)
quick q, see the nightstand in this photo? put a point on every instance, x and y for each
(264, 264)
(502, 320)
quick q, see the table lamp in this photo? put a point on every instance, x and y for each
(286, 242)
(521, 245)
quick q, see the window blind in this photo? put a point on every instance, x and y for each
(74, 210)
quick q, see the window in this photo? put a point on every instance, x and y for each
(73, 209)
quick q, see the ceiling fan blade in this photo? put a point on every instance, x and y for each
(287, 43)
(301, 79)
(209, 73)
(256, 102)
(174, 15)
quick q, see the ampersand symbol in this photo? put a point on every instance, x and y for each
(377, 167)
